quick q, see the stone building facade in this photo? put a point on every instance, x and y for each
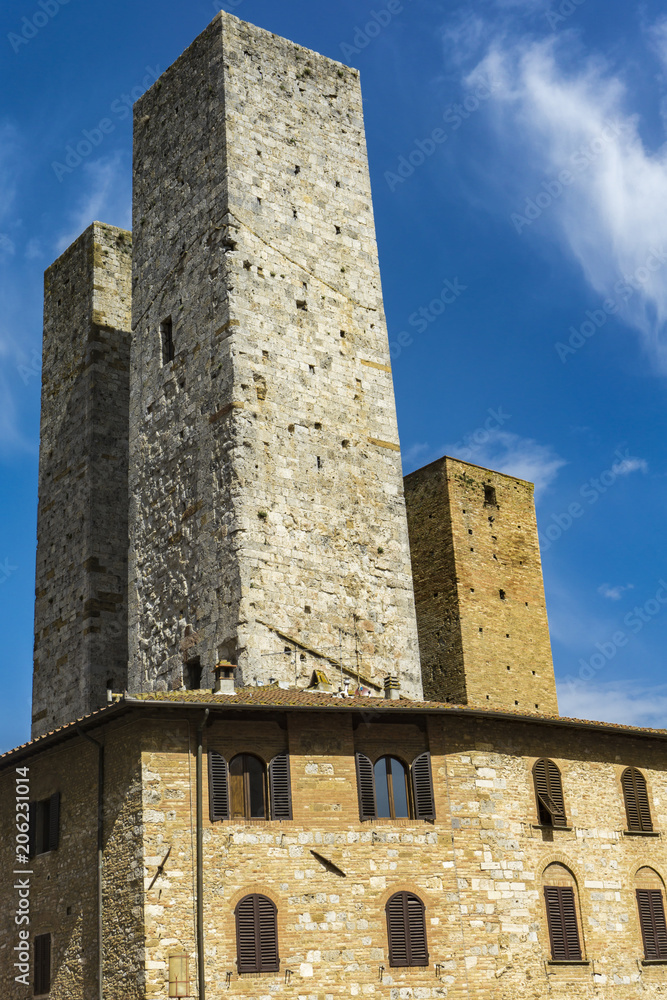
(253, 836)
(480, 865)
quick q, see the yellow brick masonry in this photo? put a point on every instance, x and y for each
(478, 867)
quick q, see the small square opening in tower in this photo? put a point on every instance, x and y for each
(167, 336)
(490, 496)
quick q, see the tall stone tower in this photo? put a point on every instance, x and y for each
(483, 629)
(81, 575)
(267, 517)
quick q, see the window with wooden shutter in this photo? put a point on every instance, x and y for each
(561, 902)
(257, 935)
(280, 787)
(406, 931)
(54, 821)
(637, 808)
(42, 971)
(392, 800)
(247, 787)
(650, 904)
(218, 787)
(365, 787)
(549, 793)
(44, 825)
(422, 786)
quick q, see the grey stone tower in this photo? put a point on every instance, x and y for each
(267, 518)
(81, 574)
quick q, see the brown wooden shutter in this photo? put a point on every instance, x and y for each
(366, 787)
(32, 829)
(280, 787)
(652, 921)
(562, 922)
(406, 931)
(268, 935)
(257, 935)
(422, 787)
(549, 791)
(637, 807)
(42, 973)
(218, 787)
(54, 821)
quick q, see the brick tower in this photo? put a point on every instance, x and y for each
(267, 518)
(81, 575)
(483, 629)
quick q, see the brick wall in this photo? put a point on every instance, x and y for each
(481, 611)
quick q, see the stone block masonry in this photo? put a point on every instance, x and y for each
(267, 521)
(81, 577)
(483, 628)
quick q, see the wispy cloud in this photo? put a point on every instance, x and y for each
(629, 465)
(516, 456)
(105, 198)
(614, 593)
(613, 216)
(615, 702)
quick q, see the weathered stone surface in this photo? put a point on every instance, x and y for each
(481, 611)
(81, 579)
(265, 474)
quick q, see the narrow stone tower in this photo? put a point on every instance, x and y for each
(483, 629)
(81, 574)
(267, 517)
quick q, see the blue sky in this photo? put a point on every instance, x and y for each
(519, 168)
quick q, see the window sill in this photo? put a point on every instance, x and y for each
(654, 961)
(641, 833)
(574, 961)
(543, 826)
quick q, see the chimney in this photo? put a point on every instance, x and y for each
(392, 688)
(224, 678)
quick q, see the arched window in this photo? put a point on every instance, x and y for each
(257, 935)
(549, 793)
(385, 792)
(651, 907)
(406, 930)
(247, 787)
(561, 902)
(238, 790)
(637, 808)
(391, 789)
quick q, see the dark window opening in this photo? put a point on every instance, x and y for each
(502, 595)
(406, 931)
(490, 496)
(192, 674)
(167, 335)
(44, 825)
(42, 974)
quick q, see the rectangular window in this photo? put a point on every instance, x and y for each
(42, 972)
(44, 817)
(167, 336)
(192, 674)
(652, 921)
(179, 976)
(562, 922)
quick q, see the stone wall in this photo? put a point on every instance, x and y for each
(267, 515)
(63, 882)
(81, 578)
(481, 611)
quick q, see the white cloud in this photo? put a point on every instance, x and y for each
(628, 465)
(106, 183)
(614, 593)
(612, 216)
(614, 702)
(515, 456)
(34, 249)
(657, 34)
(7, 247)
